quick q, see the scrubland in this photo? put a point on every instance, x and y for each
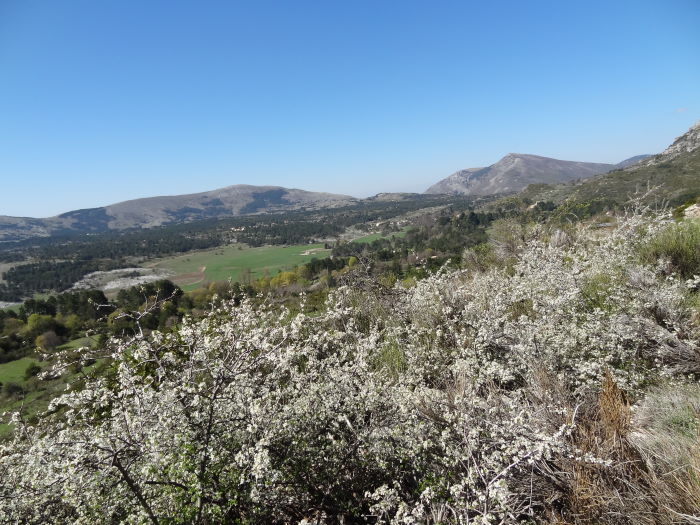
(550, 379)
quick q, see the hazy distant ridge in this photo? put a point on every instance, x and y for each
(157, 211)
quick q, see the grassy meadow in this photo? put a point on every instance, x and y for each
(13, 371)
(375, 236)
(192, 270)
(31, 395)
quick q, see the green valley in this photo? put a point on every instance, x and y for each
(236, 262)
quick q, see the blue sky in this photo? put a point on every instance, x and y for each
(112, 100)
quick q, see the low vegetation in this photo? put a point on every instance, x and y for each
(677, 180)
(547, 377)
(678, 246)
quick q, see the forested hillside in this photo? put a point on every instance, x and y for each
(54, 264)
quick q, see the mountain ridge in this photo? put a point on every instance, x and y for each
(511, 174)
(514, 172)
(149, 212)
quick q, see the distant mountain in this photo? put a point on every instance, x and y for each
(515, 172)
(158, 211)
(675, 172)
(631, 161)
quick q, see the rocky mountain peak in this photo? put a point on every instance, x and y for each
(514, 172)
(686, 143)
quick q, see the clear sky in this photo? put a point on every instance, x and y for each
(103, 101)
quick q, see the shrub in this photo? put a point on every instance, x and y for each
(11, 389)
(498, 396)
(679, 244)
(32, 371)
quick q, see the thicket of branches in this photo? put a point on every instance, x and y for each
(555, 384)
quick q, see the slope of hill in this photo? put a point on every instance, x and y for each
(675, 171)
(686, 143)
(157, 211)
(515, 172)
(631, 161)
(504, 391)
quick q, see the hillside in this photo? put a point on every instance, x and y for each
(675, 172)
(556, 384)
(157, 211)
(631, 161)
(515, 172)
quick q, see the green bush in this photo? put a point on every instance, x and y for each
(595, 292)
(12, 389)
(31, 371)
(678, 243)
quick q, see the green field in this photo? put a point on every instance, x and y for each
(38, 392)
(192, 270)
(13, 372)
(89, 341)
(374, 236)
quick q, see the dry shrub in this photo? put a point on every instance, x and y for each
(636, 465)
(607, 481)
(614, 410)
(666, 434)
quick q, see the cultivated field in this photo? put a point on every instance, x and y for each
(191, 270)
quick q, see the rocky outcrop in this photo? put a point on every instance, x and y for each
(686, 143)
(692, 212)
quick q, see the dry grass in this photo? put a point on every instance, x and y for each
(640, 466)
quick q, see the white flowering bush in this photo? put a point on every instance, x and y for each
(460, 400)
